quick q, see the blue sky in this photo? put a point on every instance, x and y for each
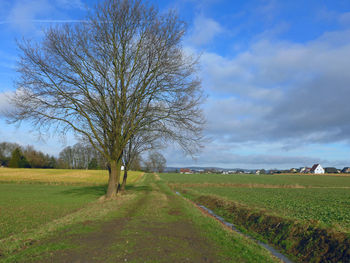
(276, 75)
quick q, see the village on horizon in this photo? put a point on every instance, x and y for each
(315, 169)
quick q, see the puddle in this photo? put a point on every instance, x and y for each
(272, 250)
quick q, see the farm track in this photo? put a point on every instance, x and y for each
(153, 229)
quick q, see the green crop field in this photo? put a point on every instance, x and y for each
(285, 180)
(307, 197)
(329, 206)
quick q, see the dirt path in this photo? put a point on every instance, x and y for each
(154, 229)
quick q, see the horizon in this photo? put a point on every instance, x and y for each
(275, 75)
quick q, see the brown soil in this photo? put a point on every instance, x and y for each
(94, 246)
(172, 242)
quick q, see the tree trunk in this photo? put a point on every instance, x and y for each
(124, 179)
(113, 179)
(119, 166)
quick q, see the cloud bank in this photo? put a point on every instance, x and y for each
(281, 91)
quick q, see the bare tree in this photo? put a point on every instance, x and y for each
(79, 156)
(6, 149)
(155, 162)
(120, 72)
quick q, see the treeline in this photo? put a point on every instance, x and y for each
(78, 156)
(15, 156)
(82, 156)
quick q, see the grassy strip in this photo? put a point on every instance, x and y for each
(305, 240)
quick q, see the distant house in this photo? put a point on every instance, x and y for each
(331, 170)
(305, 170)
(317, 169)
(185, 171)
(346, 170)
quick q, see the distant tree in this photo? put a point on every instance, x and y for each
(93, 165)
(135, 165)
(52, 162)
(61, 164)
(3, 159)
(138, 143)
(6, 149)
(38, 159)
(18, 160)
(155, 162)
(79, 156)
(66, 158)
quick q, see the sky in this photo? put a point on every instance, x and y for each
(275, 72)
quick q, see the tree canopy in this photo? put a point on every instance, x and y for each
(121, 72)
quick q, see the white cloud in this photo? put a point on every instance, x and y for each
(68, 4)
(281, 91)
(204, 30)
(23, 12)
(4, 102)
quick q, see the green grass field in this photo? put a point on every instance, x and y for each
(306, 197)
(288, 180)
(24, 207)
